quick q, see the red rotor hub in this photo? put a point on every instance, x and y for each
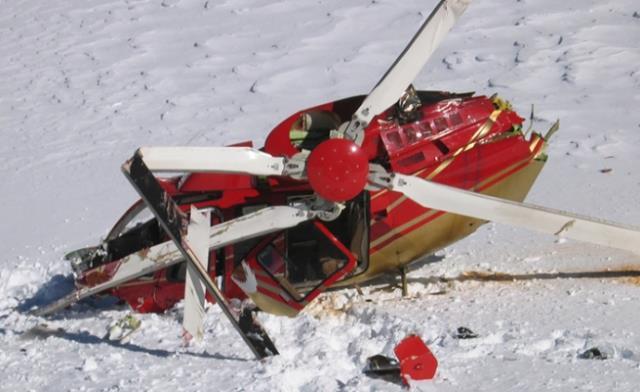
(337, 169)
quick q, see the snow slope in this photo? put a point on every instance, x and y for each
(85, 82)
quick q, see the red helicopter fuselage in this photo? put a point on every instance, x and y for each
(473, 143)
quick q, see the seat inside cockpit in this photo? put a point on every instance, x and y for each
(303, 258)
(313, 127)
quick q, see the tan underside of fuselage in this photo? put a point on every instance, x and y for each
(445, 229)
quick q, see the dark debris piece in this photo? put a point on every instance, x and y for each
(465, 333)
(593, 353)
(385, 368)
(382, 365)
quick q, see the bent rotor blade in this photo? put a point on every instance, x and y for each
(475, 205)
(412, 59)
(194, 289)
(174, 223)
(241, 160)
(255, 224)
(131, 267)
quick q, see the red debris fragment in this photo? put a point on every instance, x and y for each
(416, 360)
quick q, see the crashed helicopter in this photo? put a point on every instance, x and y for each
(339, 193)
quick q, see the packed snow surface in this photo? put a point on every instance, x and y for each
(83, 83)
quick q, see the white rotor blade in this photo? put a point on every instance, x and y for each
(458, 201)
(194, 289)
(241, 160)
(407, 66)
(255, 224)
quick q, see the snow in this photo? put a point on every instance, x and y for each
(86, 82)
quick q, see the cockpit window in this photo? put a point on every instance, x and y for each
(307, 260)
(272, 260)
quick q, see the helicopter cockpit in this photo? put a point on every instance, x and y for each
(294, 266)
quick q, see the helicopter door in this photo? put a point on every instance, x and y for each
(289, 269)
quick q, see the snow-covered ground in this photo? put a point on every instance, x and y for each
(85, 82)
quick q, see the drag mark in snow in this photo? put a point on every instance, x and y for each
(626, 274)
